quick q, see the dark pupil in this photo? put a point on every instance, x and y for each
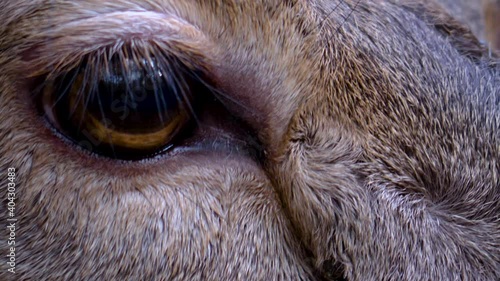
(128, 110)
(139, 101)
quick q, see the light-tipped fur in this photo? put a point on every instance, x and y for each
(379, 126)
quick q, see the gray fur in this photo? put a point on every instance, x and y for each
(379, 122)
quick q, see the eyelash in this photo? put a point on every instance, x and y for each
(123, 66)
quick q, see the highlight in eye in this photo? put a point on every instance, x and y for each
(126, 105)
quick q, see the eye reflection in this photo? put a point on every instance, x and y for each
(126, 108)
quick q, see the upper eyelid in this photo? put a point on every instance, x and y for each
(61, 48)
(119, 24)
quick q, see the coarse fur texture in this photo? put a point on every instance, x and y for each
(378, 123)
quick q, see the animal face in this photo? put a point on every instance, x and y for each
(247, 140)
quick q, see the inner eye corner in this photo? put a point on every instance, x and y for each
(125, 106)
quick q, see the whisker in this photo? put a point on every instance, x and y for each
(221, 95)
(151, 75)
(159, 91)
(95, 91)
(348, 16)
(178, 80)
(160, 100)
(125, 72)
(67, 88)
(171, 78)
(81, 94)
(162, 75)
(322, 23)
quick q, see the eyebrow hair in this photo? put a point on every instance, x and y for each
(61, 47)
(105, 29)
(32, 20)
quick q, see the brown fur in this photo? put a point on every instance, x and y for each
(491, 10)
(379, 129)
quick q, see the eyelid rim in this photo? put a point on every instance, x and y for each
(62, 48)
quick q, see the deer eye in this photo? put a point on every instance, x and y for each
(124, 108)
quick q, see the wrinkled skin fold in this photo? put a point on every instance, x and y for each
(370, 148)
